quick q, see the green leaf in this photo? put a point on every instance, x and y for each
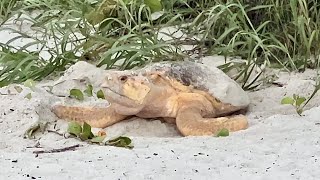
(120, 141)
(300, 100)
(98, 139)
(74, 128)
(28, 96)
(29, 83)
(86, 132)
(154, 5)
(223, 132)
(18, 89)
(100, 94)
(287, 100)
(76, 93)
(89, 90)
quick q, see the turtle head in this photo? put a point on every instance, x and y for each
(126, 90)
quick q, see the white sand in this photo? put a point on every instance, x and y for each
(279, 144)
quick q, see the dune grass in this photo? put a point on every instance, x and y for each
(124, 33)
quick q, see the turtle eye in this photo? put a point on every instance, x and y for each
(123, 78)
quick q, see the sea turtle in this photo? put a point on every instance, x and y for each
(200, 100)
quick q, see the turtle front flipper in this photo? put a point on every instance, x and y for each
(95, 117)
(190, 123)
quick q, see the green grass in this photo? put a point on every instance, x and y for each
(6, 6)
(121, 34)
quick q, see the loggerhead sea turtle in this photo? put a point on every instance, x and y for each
(198, 99)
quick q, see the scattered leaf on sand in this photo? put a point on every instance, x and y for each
(28, 96)
(120, 141)
(76, 93)
(86, 132)
(223, 132)
(74, 128)
(89, 90)
(287, 100)
(300, 100)
(100, 94)
(18, 89)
